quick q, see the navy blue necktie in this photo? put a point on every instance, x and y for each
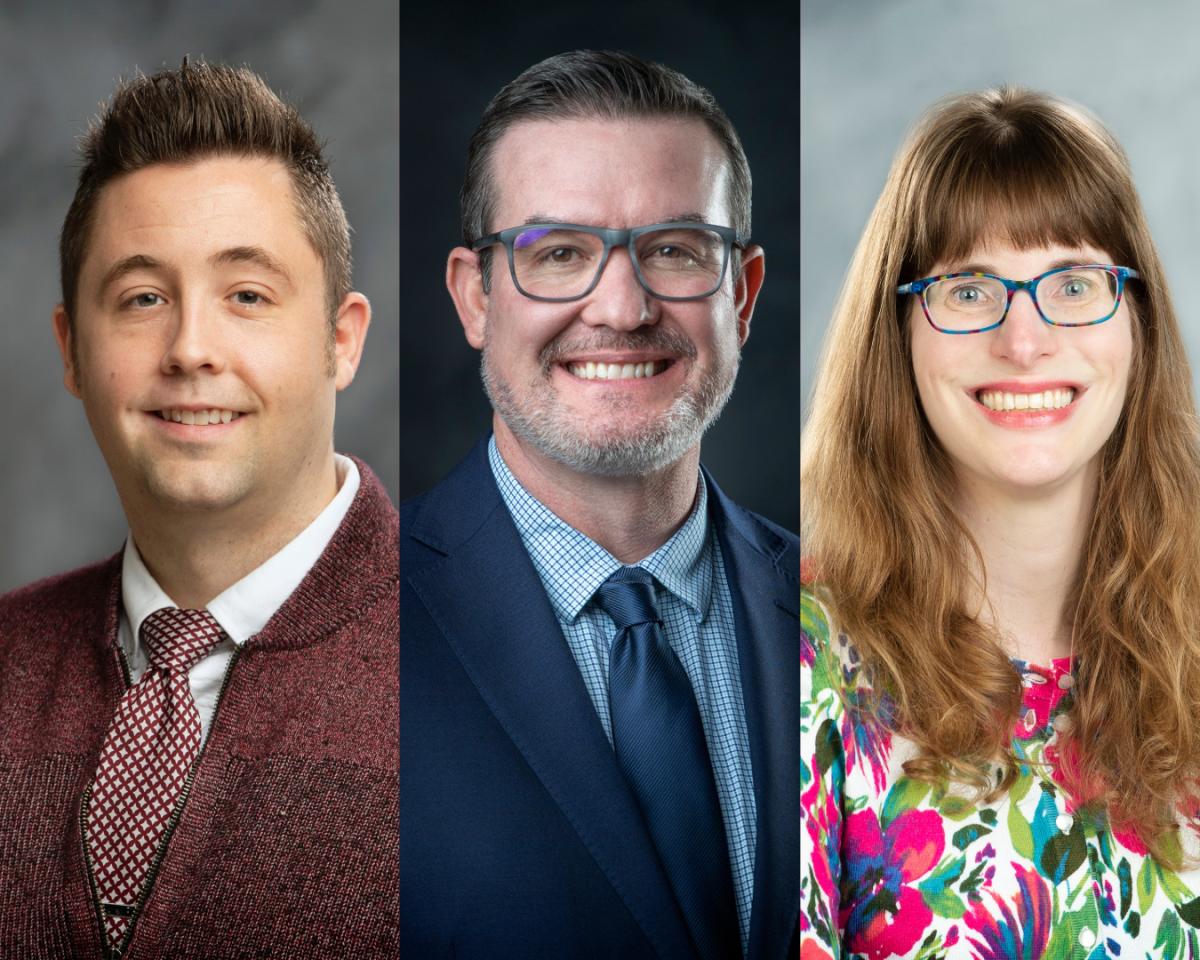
(660, 747)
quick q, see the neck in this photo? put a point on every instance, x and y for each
(195, 555)
(1032, 547)
(630, 517)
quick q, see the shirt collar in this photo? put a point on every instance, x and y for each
(243, 609)
(683, 565)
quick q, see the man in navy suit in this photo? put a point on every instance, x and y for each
(599, 691)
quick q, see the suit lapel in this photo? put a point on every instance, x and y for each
(489, 604)
(763, 571)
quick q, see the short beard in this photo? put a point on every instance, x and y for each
(543, 423)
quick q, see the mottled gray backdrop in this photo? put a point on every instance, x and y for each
(337, 60)
(869, 68)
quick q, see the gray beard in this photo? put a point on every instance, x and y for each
(545, 425)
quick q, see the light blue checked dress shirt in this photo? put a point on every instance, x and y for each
(697, 612)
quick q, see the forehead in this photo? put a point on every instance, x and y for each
(609, 172)
(177, 212)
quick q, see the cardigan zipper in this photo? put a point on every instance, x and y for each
(127, 680)
(115, 953)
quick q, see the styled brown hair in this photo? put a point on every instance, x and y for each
(891, 557)
(198, 111)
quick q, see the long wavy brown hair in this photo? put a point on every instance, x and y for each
(885, 544)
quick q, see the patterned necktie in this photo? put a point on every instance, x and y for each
(150, 747)
(660, 747)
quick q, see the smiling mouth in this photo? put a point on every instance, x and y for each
(1003, 401)
(617, 371)
(199, 418)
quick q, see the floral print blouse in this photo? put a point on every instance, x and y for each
(892, 867)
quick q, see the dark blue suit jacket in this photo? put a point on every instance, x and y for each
(518, 835)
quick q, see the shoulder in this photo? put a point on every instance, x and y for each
(60, 606)
(434, 523)
(766, 539)
(825, 650)
(372, 514)
(81, 589)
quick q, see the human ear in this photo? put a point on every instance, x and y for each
(64, 337)
(746, 286)
(464, 280)
(349, 335)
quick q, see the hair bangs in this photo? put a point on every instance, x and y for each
(1020, 188)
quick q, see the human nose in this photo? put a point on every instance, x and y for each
(1024, 337)
(619, 300)
(192, 341)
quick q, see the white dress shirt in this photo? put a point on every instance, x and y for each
(243, 609)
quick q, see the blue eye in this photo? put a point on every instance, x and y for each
(248, 298)
(143, 300)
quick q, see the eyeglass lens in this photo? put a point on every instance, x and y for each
(1077, 297)
(677, 262)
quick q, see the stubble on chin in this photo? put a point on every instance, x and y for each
(621, 441)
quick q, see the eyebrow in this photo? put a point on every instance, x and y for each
(250, 254)
(125, 266)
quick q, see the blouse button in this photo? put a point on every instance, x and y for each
(1062, 723)
(1065, 681)
(1064, 822)
(1086, 938)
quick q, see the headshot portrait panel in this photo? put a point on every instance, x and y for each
(199, 628)
(1000, 479)
(599, 595)
(452, 65)
(337, 64)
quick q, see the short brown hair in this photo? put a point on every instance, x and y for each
(198, 111)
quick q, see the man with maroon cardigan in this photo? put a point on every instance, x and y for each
(198, 754)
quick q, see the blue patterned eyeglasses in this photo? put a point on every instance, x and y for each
(1080, 296)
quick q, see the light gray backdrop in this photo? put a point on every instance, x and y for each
(336, 60)
(869, 68)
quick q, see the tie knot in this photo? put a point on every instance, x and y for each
(628, 597)
(175, 639)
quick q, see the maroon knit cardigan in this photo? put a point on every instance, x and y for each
(287, 846)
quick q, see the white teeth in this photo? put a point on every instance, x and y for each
(1046, 400)
(617, 371)
(200, 418)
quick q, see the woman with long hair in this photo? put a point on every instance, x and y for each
(1000, 492)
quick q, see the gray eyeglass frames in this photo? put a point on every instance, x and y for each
(560, 262)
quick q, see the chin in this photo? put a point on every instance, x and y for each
(1035, 478)
(196, 487)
